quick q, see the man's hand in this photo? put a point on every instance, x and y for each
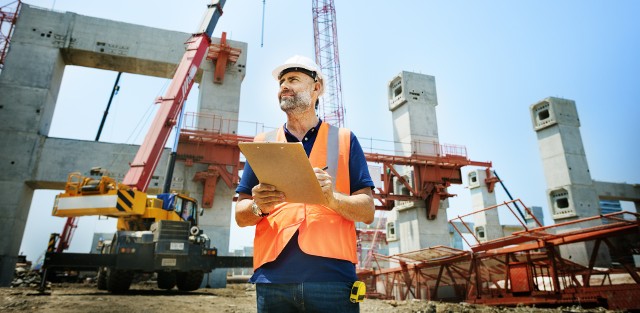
(266, 197)
(326, 183)
(357, 207)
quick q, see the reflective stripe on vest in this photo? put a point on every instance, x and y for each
(323, 232)
(277, 135)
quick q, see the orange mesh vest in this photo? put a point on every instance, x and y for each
(323, 232)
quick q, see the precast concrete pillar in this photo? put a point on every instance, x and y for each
(412, 101)
(486, 223)
(570, 190)
(29, 85)
(218, 108)
(538, 214)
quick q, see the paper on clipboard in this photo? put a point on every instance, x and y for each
(286, 166)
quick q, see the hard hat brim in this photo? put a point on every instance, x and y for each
(276, 72)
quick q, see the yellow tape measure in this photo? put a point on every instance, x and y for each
(358, 291)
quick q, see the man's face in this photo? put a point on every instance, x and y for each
(295, 94)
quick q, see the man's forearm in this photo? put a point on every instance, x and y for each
(357, 207)
(244, 214)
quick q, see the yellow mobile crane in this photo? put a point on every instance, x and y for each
(135, 210)
(154, 234)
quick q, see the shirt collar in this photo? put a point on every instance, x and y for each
(312, 132)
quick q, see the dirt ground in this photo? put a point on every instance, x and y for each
(145, 297)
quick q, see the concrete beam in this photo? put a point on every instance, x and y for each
(617, 191)
(62, 156)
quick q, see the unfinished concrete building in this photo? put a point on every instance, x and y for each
(43, 43)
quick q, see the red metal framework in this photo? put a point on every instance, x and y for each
(210, 139)
(369, 239)
(8, 18)
(408, 278)
(523, 268)
(431, 175)
(222, 54)
(325, 34)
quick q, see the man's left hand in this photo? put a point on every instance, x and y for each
(357, 207)
(326, 183)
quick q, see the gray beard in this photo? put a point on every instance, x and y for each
(296, 104)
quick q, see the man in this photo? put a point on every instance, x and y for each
(305, 255)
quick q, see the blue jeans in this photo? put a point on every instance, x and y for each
(305, 297)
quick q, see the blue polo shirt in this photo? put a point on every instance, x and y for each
(293, 265)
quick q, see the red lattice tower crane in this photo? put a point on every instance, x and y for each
(325, 34)
(8, 18)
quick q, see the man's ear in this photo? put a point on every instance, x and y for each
(317, 87)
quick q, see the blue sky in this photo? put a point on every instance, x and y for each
(491, 61)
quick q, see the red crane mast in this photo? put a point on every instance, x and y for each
(8, 18)
(325, 33)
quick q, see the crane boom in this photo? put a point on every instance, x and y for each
(148, 155)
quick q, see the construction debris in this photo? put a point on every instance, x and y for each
(24, 276)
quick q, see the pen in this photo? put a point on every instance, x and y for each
(325, 168)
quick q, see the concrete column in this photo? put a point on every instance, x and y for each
(412, 101)
(218, 109)
(570, 189)
(223, 99)
(538, 214)
(487, 223)
(29, 86)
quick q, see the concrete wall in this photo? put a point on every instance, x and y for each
(44, 42)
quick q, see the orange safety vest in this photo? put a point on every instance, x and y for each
(322, 231)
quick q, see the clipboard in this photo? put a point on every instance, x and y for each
(286, 166)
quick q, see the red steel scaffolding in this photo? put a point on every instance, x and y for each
(526, 267)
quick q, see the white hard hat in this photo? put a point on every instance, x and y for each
(299, 64)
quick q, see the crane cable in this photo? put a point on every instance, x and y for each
(262, 34)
